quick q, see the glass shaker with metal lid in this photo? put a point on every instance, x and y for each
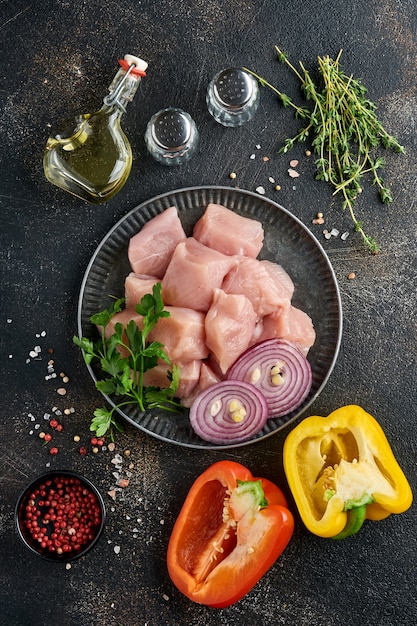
(233, 97)
(171, 136)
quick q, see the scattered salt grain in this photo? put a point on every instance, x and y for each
(334, 232)
(252, 156)
(293, 173)
(271, 180)
(344, 236)
(116, 549)
(260, 190)
(165, 597)
(258, 147)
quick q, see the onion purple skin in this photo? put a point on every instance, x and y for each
(221, 429)
(282, 399)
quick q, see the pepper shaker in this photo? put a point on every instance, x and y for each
(232, 97)
(171, 136)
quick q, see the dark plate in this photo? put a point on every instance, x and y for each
(287, 242)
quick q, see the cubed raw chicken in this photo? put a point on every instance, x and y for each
(193, 273)
(230, 325)
(229, 233)
(292, 324)
(137, 286)
(256, 281)
(150, 250)
(282, 280)
(182, 334)
(123, 318)
(190, 375)
(206, 380)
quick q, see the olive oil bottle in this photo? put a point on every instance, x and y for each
(90, 156)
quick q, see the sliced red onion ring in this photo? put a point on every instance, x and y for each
(279, 370)
(229, 412)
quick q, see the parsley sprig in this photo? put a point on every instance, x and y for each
(346, 133)
(125, 356)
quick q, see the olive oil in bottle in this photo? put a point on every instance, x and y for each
(91, 156)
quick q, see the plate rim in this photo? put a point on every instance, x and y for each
(225, 189)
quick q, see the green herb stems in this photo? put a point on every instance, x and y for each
(345, 130)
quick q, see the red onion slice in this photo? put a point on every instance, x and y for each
(279, 370)
(229, 412)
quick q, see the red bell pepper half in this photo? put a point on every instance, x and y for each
(230, 530)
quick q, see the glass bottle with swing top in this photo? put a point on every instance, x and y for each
(90, 156)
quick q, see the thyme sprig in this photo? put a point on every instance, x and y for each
(345, 133)
(125, 356)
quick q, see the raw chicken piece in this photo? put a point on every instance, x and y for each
(123, 317)
(229, 233)
(182, 334)
(137, 286)
(190, 374)
(230, 324)
(206, 380)
(279, 275)
(193, 273)
(150, 250)
(253, 279)
(292, 324)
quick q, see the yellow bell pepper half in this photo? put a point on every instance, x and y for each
(341, 470)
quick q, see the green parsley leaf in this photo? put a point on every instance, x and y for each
(125, 356)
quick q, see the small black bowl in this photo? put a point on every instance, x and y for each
(60, 516)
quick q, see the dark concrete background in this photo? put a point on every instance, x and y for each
(57, 58)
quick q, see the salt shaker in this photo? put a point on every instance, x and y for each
(171, 136)
(233, 97)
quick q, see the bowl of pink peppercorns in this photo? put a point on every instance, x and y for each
(60, 515)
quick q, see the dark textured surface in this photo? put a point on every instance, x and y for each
(58, 57)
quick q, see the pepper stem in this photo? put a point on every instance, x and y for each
(356, 517)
